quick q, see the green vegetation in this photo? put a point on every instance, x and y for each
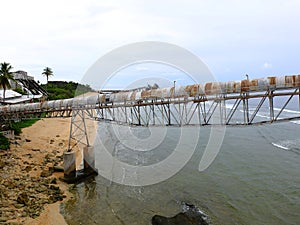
(5, 76)
(63, 89)
(20, 91)
(48, 73)
(4, 142)
(17, 126)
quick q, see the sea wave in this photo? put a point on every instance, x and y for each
(280, 146)
(288, 145)
(296, 122)
(287, 110)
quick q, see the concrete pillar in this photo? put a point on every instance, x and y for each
(69, 164)
(89, 159)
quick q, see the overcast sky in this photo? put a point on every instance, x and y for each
(233, 38)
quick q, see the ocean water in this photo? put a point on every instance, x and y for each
(254, 180)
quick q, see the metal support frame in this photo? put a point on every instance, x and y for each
(171, 111)
(78, 130)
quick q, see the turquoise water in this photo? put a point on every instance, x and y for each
(254, 180)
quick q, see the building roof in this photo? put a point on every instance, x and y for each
(12, 97)
(9, 94)
(21, 99)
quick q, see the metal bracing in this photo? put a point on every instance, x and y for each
(211, 111)
(287, 102)
(181, 111)
(233, 110)
(261, 102)
(201, 111)
(78, 130)
(271, 106)
(245, 97)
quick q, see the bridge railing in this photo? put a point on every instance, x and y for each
(182, 105)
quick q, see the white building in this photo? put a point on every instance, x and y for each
(27, 84)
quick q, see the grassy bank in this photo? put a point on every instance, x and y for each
(64, 89)
(17, 127)
(4, 142)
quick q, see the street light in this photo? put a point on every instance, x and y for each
(174, 89)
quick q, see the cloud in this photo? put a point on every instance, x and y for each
(69, 36)
(141, 68)
(267, 65)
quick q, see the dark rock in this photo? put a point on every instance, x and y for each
(12, 217)
(41, 189)
(23, 198)
(53, 181)
(53, 187)
(55, 198)
(13, 223)
(49, 158)
(33, 196)
(191, 216)
(35, 179)
(28, 168)
(18, 206)
(27, 140)
(46, 173)
(179, 219)
(29, 156)
(3, 219)
(2, 164)
(36, 149)
(55, 152)
(10, 184)
(58, 169)
(35, 215)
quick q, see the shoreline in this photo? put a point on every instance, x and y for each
(30, 190)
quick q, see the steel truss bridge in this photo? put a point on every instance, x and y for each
(244, 102)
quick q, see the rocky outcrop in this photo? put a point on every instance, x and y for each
(23, 190)
(191, 215)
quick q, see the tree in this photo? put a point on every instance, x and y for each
(47, 72)
(5, 76)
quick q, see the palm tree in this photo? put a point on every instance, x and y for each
(5, 75)
(47, 72)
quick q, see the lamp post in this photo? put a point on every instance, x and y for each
(174, 89)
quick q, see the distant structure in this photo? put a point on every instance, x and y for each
(25, 83)
(148, 87)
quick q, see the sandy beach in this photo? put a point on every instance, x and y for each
(30, 190)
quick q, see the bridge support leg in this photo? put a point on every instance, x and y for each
(89, 159)
(78, 141)
(69, 165)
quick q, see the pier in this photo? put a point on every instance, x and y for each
(214, 103)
